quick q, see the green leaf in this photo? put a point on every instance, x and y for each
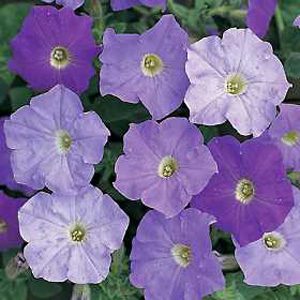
(295, 289)
(292, 65)
(209, 132)
(44, 289)
(294, 177)
(19, 96)
(290, 41)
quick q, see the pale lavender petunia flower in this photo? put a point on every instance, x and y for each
(54, 47)
(260, 13)
(172, 259)
(9, 226)
(72, 237)
(124, 4)
(68, 3)
(285, 133)
(150, 67)
(251, 194)
(297, 22)
(237, 78)
(274, 259)
(54, 143)
(164, 164)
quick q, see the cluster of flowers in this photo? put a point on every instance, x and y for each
(242, 188)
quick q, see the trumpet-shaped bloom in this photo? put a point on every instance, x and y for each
(251, 194)
(54, 47)
(54, 143)
(164, 164)
(150, 68)
(297, 22)
(69, 3)
(72, 237)
(274, 259)
(124, 4)
(237, 78)
(172, 259)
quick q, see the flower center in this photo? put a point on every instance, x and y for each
(60, 57)
(291, 138)
(244, 191)
(3, 226)
(273, 241)
(181, 254)
(167, 167)
(152, 65)
(235, 84)
(63, 141)
(78, 233)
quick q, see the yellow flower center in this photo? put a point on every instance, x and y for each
(291, 138)
(235, 84)
(63, 141)
(273, 241)
(244, 191)
(78, 233)
(152, 65)
(181, 254)
(60, 57)
(3, 226)
(167, 167)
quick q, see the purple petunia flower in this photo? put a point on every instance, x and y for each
(164, 164)
(72, 237)
(9, 228)
(297, 22)
(6, 174)
(54, 143)
(69, 3)
(54, 47)
(260, 13)
(285, 133)
(124, 4)
(150, 67)
(274, 259)
(236, 78)
(251, 194)
(172, 259)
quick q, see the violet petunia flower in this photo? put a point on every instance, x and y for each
(150, 68)
(124, 4)
(54, 143)
(274, 259)
(172, 259)
(54, 47)
(6, 173)
(260, 13)
(69, 3)
(297, 22)
(164, 164)
(285, 133)
(237, 78)
(9, 226)
(251, 194)
(72, 237)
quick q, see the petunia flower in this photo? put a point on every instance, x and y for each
(251, 194)
(172, 259)
(150, 67)
(9, 227)
(237, 78)
(72, 237)
(164, 164)
(6, 173)
(54, 143)
(54, 47)
(260, 13)
(274, 259)
(124, 4)
(297, 22)
(285, 133)
(69, 3)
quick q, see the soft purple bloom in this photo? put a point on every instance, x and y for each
(54, 47)
(54, 143)
(9, 227)
(172, 259)
(275, 258)
(149, 68)
(260, 13)
(237, 78)
(285, 133)
(164, 164)
(124, 4)
(297, 22)
(72, 237)
(69, 3)
(251, 194)
(6, 174)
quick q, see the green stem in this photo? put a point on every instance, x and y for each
(97, 14)
(228, 10)
(172, 9)
(279, 20)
